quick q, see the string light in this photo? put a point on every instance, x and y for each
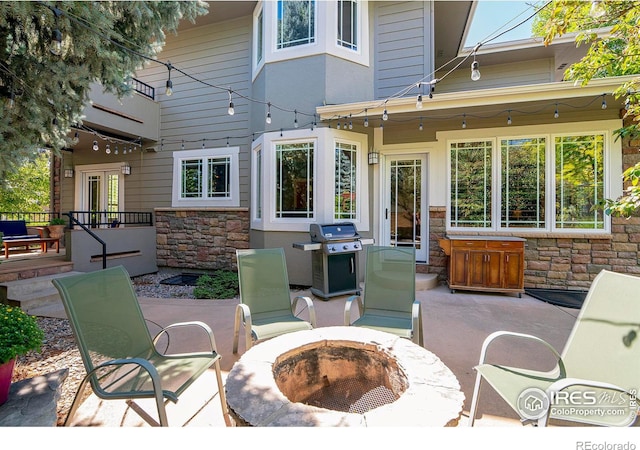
(509, 118)
(169, 90)
(419, 99)
(604, 102)
(350, 123)
(268, 119)
(95, 146)
(475, 69)
(464, 121)
(107, 149)
(420, 127)
(385, 115)
(295, 119)
(366, 119)
(231, 110)
(556, 114)
(55, 47)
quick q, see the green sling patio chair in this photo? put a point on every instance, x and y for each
(120, 357)
(389, 300)
(266, 309)
(597, 376)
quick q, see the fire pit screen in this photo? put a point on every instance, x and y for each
(342, 376)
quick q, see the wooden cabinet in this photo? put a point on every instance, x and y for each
(485, 263)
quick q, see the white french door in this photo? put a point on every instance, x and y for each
(101, 195)
(405, 213)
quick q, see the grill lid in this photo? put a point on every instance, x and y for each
(333, 232)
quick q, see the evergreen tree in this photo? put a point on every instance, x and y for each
(103, 41)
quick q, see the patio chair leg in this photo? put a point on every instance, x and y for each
(223, 396)
(474, 400)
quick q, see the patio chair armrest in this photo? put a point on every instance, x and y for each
(243, 314)
(146, 366)
(498, 334)
(196, 323)
(310, 307)
(347, 308)
(416, 322)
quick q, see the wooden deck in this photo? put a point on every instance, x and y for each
(34, 264)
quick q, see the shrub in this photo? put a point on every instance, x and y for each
(220, 284)
(19, 333)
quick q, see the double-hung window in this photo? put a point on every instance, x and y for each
(206, 177)
(296, 23)
(294, 180)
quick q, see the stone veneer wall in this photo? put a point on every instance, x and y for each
(562, 262)
(201, 238)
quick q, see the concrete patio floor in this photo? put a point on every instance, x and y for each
(455, 326)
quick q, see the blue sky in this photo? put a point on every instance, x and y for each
(495, 16)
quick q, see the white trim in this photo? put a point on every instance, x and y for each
(80, 192)
(232, 201)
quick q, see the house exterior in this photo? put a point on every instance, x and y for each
(518, 152)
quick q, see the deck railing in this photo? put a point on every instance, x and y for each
(111, 219)
(32, 219)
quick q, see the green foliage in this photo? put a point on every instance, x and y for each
(27, 189)
(103, 42)
(220, 284)
(19, 333)
(613, 51)
(57, 221)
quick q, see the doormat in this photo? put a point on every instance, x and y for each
(184, 279)
(559, 297)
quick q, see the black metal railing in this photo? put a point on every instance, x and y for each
(73, 222)
(110, 219)
(143, 88)
(32, 219)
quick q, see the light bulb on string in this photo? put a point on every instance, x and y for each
(509, 118)
(116, 150)
(231, 110)
(56, 43)
(475, 70)
(338, 125)
(169, 86)
(295, 119)
(107, 149)
(419, 102)
(464, 121)
(604, 102)
(95, 146)
(420, 127)
(366, 119)
(268, 119)
(556, 114)
(385, 115)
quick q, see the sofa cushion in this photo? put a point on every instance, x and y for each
(10, 228)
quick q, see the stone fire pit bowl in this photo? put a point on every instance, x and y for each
(342, 376)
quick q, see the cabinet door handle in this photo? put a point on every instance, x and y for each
(352, 264)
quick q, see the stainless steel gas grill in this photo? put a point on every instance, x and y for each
(334, 258)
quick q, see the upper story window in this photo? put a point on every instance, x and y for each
(289, 29)
(296, 23)
(206, 177)
(348, 24)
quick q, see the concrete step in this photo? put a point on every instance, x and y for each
(31, 293)
(425, 281)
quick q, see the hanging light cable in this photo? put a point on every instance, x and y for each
(419, 99)
(268, 119)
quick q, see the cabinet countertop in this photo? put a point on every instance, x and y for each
(456, 237)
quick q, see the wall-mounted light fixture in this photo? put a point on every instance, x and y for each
(68, 172)
(126, 169)
(373, 157)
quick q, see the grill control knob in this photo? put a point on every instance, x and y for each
(345, 247)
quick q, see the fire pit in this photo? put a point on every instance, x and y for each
(342, 376)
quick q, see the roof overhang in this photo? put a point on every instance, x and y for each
(495, 98)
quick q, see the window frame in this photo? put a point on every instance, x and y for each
(550, 181)
(205, 155)
(310, 186)
(358, 197)
(324, 178)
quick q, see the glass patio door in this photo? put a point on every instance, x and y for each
(405, 214)
(102, 197)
